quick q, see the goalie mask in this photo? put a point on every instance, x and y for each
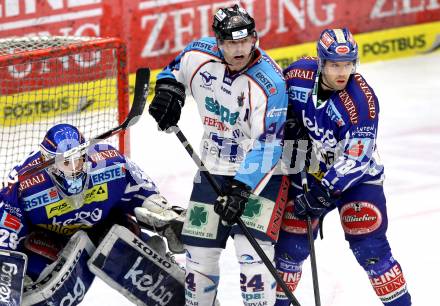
(70, 176)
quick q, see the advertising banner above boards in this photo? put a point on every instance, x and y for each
(373, 46)
(156, 31)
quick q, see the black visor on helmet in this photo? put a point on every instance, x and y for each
(233, 23)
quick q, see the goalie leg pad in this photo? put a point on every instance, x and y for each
(12, 270)
(135, 269)
(65, 281)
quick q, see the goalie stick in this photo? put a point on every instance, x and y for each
(240, 222)
(139, 100)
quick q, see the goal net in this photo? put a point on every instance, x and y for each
(49, 80)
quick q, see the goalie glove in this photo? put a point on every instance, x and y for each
(158, 215)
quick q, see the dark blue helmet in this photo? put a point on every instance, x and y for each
(59, 139)
(70, 176)
(337, 45)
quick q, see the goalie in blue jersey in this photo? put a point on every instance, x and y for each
(52, 223)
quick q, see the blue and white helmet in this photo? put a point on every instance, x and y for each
(337, 45)
(70, 176)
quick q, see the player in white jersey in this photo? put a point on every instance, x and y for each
(242, 103)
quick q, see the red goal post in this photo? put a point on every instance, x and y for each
(44, 81)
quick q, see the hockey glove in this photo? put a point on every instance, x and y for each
(232, 204)
(167, 103)
(312, 203)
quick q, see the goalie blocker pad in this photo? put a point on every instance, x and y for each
(140, 273)
(12, 270)
(65, 281)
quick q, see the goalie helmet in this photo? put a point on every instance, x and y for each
(70, 176)
(233, 23)
(337, 45)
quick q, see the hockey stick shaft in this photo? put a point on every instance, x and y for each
(312, 246)
(137, 108)
(240, 222)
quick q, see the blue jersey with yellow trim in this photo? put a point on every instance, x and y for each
(243, 114)
(114, 182)
(342, 129)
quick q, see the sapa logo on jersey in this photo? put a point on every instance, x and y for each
(223, 112)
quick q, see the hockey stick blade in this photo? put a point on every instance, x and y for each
(139, 100)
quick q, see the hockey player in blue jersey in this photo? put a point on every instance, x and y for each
(339, 112)
(56, 217)
(242, 103)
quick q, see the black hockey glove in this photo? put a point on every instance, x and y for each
(232, 204)
(313, 203)
(167, 103)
